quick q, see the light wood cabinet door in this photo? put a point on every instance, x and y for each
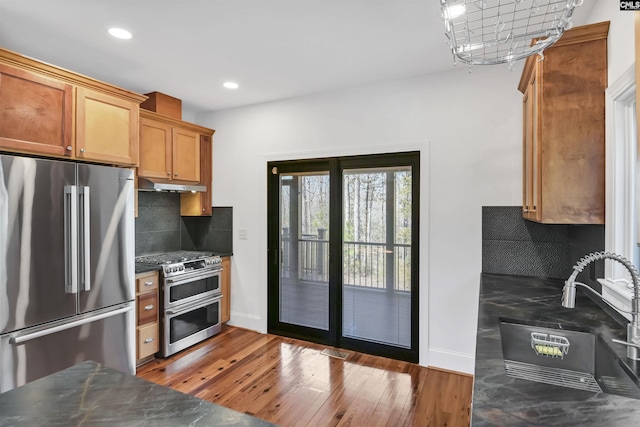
(147, 312)
(199, 204)
(147, 308)
(186, 155)
(226, 289)
(147, 282)
(564, 129)
(107, 128)
(155, 149)
(148, 341)
(531, 153)
(36, 113)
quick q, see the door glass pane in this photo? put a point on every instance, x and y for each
(304, 249)
(377, 255)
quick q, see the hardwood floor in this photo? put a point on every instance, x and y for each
(291, 383)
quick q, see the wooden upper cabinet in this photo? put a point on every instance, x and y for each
(186, 155)
(36, 113)
(170, 148)
(106, 128)
(37, 106)
(199, 204)
(531, 154)
(155, 149)
(564, 129)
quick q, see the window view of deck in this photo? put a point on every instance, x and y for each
(304, 254)
(376, 253)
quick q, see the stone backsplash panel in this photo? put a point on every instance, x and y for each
(514, 246)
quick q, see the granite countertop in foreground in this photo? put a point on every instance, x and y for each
(499, 400)
(90, 394)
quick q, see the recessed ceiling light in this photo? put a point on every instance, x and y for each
(231, 85)
(120, 33)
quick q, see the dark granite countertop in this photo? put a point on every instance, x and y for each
(90, 394)
(499, 400)
(223, 254)
(145, 268)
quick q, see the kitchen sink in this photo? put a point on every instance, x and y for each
(563, 355)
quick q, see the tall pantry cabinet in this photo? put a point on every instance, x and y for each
(564, 129)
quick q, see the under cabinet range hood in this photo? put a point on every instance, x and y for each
(153, 184)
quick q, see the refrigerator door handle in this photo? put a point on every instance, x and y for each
(19, 339)
(71, 238)
(86, 239)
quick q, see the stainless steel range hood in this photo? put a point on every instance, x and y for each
(153, 184)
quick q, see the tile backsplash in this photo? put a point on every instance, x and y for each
(210, 233)
(512, 245)
(160, 228)
(158, 223)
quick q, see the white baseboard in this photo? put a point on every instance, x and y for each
(452, 361)
(248, 321)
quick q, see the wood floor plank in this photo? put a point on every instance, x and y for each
(291, 383)
(244, 379)
(390, 410)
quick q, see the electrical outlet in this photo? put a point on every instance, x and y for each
(242, 234)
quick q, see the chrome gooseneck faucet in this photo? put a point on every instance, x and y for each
(633, 328)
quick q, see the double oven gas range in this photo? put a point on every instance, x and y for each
(190, 297)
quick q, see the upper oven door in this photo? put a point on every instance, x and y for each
(191, 287)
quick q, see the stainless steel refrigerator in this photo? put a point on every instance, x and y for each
(66, 267)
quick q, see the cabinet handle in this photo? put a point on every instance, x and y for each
(203, 209)
(176, 174)
(149, 283)
(148, 307)
(69, 148)
(148, 340)
(169, 173)
(82, 150)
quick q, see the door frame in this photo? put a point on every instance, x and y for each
(335, 166)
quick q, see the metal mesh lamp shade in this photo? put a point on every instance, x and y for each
(483, 32)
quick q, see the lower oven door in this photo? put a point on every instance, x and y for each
(191, 287)
(187, 325)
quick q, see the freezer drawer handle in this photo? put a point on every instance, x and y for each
(148, 307)
(149, 283)
(148, 340)
(19, 339)
(71, 238)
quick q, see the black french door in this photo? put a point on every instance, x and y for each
(343, 252)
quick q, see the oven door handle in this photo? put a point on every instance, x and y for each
(192, 276)
(188, 307)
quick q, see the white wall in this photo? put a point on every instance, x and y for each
(620, 42)
(468, 129)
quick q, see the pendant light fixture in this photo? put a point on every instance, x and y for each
(485, 32)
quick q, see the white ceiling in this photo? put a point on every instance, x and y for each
(274, 49)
